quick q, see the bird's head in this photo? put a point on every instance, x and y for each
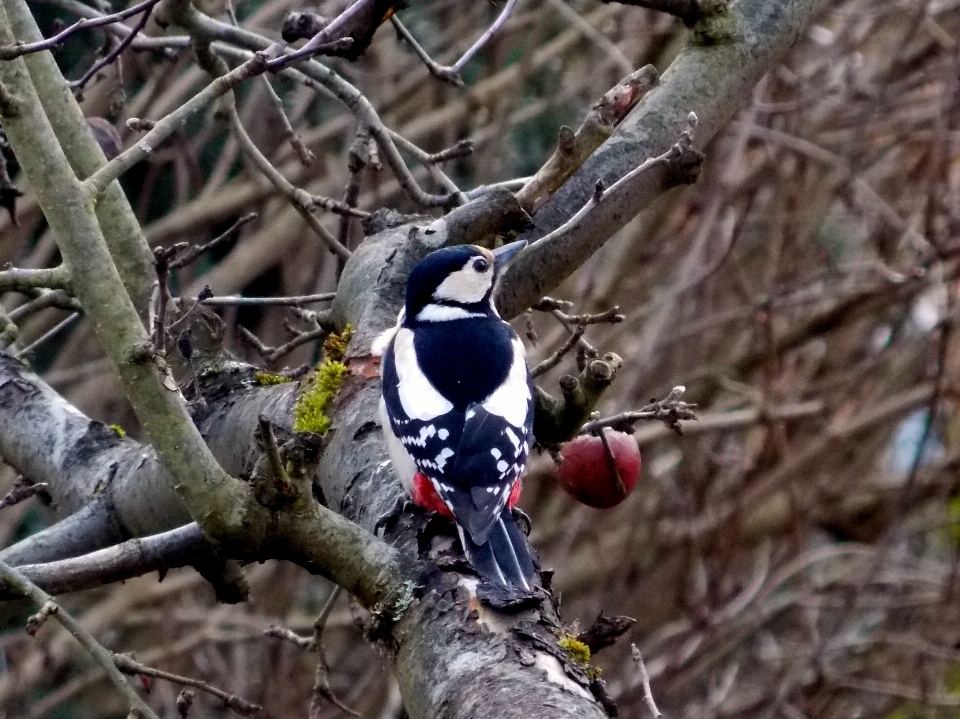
(456, 282)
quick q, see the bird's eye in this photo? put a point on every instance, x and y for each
(480, 264)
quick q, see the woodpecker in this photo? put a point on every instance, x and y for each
(457, 406)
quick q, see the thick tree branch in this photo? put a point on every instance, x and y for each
(123, 234)
(181, 547)
(708, 80)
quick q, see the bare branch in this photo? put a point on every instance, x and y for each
(78, 85)
(573, 148)
(300, 199)
(103, 656)
(130, 666)
(9, 52)
(669, 410)
(645, 680)
(176, 120)
(179, 547)
(13, 279)
(193, 253)
(299, 301)
(22, 490)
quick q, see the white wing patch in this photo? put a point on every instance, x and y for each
(441, 460)
(510, 399)
(419, 399)
(425, 434)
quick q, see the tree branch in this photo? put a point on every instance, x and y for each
(709, 80)
(104, 657)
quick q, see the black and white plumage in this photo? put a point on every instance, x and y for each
(457, 405)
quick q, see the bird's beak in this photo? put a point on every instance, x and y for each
(503, 255)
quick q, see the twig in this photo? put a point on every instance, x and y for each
(430, 162)
(176, 120)
(205, 294)
(195, 251)
(321, 681)
(451, 73)
(78, 85)
(104, 657)
(573, 148)
(552, 253)
(548, 304)
(10, 52)
(278, 472)
(669, 410)
(324, 321)
(48, 335)
(361, 154)
(178, 547)
(645, 680)
(42, 300)
(320, 623)
(288, 635)
(553, 360)
(300, 199)
(305, 155)
(486, 37)
(21, 490)
(325, 41)
(130, 666)
(446, 74)
(314, 644)
(299, 301)
(338, 207)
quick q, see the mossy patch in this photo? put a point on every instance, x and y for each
(118, 430)
(309, 414)
(577, 651)
(335, 346)
(265, 379)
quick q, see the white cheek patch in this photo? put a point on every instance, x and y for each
(510, 399)
(465, 286)
(419, 399)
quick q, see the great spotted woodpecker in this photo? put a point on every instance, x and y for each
(457, 406)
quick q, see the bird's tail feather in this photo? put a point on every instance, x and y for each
(505, 557)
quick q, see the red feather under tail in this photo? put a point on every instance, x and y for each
(424, 494)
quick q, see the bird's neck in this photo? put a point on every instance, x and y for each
(436, 312)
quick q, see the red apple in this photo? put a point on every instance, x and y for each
(589, 475)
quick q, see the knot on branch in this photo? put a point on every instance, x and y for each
(283, 473)
(558, 420)
(302, 25)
